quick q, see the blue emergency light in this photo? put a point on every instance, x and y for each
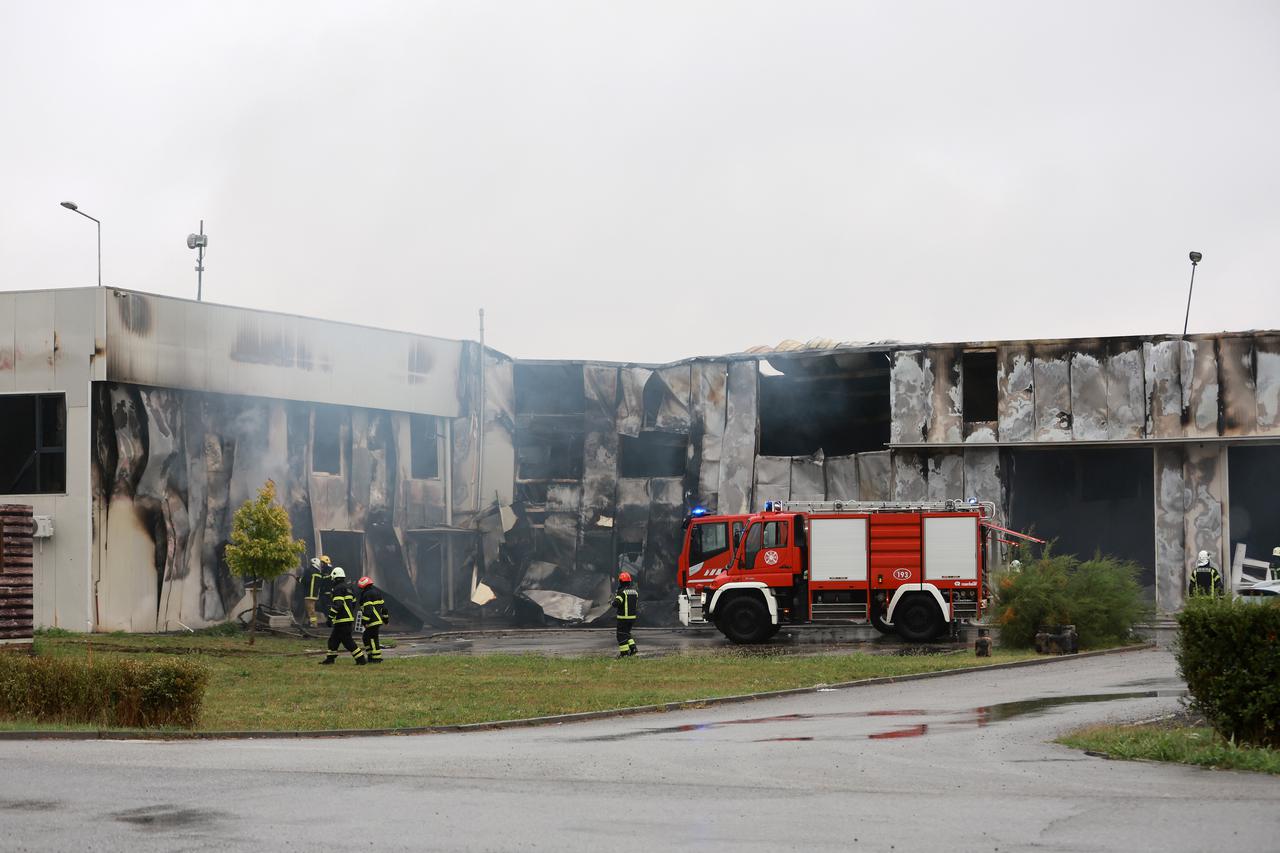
(698, 511)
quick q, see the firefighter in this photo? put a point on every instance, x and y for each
(626, 603)
(1275, 563)
(1206, 579)
(374, 609)
(342, 614)
(313, 582)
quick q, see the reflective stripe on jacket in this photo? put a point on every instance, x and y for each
(341, 605)
(374, 607)
(316, 578)
(626, 602)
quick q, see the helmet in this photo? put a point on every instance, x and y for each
(364, 581)
(1202, 559)
(624, 577)
(338, 574)
(322, 560)
(1275, 552)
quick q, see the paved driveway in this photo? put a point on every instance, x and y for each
(955, 763)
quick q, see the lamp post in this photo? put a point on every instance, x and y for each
(1195, 259)
(198, 242)
(71, 206)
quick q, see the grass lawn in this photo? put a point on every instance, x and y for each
(1182, 744)
(277, 684)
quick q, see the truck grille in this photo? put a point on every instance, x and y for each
(964, 609)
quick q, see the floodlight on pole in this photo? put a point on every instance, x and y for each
(1196, 257)
(74, 208)
(198, 242)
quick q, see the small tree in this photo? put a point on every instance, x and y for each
(262, 545)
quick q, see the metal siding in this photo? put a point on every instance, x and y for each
(910, 390)
(1203, 389)
(74, 314)
(1267, 379)
(1016, 389)
(1088, 398)
(1052, 376)
(1126, 402)
(33, 341)
(8, 323)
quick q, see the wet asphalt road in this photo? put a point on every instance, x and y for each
(955, 763)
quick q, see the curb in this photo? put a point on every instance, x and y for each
(557, 719)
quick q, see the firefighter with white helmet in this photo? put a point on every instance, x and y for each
(342, 613)
(1205, 579)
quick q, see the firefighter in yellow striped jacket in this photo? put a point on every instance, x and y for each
(313, 583)
(373, 607)
(342, 613)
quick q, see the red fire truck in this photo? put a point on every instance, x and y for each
(709, 542)
(906, 568)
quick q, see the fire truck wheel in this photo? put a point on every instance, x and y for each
(877, 621)
(745, 620)
(918, 620)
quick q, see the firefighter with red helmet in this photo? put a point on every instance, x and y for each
(626, 603)
(373, 606)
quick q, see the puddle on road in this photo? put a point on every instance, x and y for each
(979, 717)
(163, 817)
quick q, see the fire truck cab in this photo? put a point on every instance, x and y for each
(709, 543)
(907, 568)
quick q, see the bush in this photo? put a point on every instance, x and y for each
(1101, 597)
(1229, 653)
(117, 693)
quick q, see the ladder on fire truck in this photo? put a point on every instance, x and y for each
(985, 509)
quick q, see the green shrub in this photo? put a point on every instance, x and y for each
(110, 692)
(1229, 653)
(1101, 597)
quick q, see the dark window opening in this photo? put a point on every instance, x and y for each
(655, 391)
(651, 454)
(346, 549)
(1252, 475)
(33, 433)
(836, 404)
(429, 566)
(549, 389)
(707, 541)
(1087, 500)
(979, 383)
(326, 441)
(424, 451)
(556, 456)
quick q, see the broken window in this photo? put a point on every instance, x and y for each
(651, 454)
(549, 456)
(838, 404)
(326, 441)
(1252, 474)
(979, 382)
(549, 389)
(1087, 500)
(33, 434)
(424, 451)
(346, 549)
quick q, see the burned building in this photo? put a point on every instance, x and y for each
(477, 487)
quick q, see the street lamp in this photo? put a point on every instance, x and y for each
(71, 206)
(1196, 257)
(199, 241)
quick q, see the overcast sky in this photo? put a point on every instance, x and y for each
(652, 180)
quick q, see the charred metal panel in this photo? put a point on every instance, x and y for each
(773, 478)
(1166, 403)
(738, 452)
(706, 437)
(632, 523)
(673, 412)
(1267, 391)
(946, 421)
(1126, 399)
(1204, 395)
(982, 477)
(600, 450)
(657, 585)
(499, 429)
(1203, 480)
(1237, 391)
(808, 479)
(842, 477)
(875, 476)
(1088, 395)
(946, 477)
(1051, 371)
(1016, 388)
(277, 355)
(631, 400)
(910, 394)
(1170, 532)
(909, 473)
